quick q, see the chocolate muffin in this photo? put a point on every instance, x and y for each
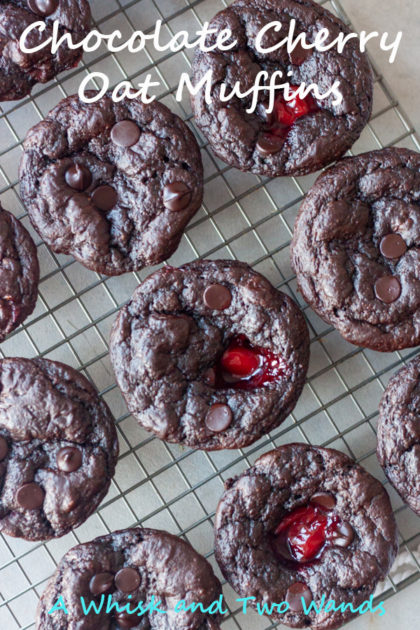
(356, 249)
(113, 184)
(19, 273)
(399, 433)
(58, 448)
(305, 522)
(19, 71)
(210, 355)
(298, 136)
(128, 567)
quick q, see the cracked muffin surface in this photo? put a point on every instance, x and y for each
(210, 354)
(19, 273)
(305, 521)
(58, 448)
(399, 433)
(131, 566)
(19, 71)
(113, 184)
(294, 140)
(356, 248)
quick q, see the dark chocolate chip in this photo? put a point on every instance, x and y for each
(4, 449)
(125, 620)
(294, 595)
(125, 133)
(388, 289)
(324, 499)
(69, 458)
(217, 297)
(43, 7)
(101, 583)
(268, 144)
(30, 496)
(392, 246)
(104, 198)
(299, 55)
(219, 417)
(176, 196)
(78, 177)
(343, 535)
(127, 580)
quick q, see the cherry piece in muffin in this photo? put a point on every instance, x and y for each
(210, 355)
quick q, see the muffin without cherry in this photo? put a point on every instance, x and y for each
(399, 433)
(19, 273)
(58, 448)
(356, 249)
(19, 72)
(210, 355)
(131, 566)
(113, 184)
(301, 135)
(305, 522)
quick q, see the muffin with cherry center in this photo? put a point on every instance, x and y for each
(305, 523)
(58, 448)
(123, 569)
(301, 133)
(113, 184)
(210, 355)
(356, 248)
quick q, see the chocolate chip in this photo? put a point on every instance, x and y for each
(392, 246)
(125, 620)
(176, 196)
(388, 289)
(299, 55)
(4, 448)
(78, 176)
(324, 499)
(104, 198)
(101, 583)
(30, 496)
(125, 133)
(343, 535)
(219, 417)
(43, 7)
(217, 297)
(268, 144)
(294, 595)
(127, 580)
(69, 459)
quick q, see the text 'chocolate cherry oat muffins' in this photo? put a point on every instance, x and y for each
(113, 184)
(19, 273)
(210, 355)
(131, 566)
(302, 135)
(305, 522)
(19, 71)
(356, 249)
(399, 433)
(58, 448)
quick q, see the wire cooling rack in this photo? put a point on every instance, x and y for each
(243, 216)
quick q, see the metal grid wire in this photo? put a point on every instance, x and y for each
(243, 216)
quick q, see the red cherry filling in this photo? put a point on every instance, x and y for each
(246, 366)
(304, 533)
(286, 113)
